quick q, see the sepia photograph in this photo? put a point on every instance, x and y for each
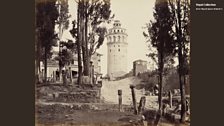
(112, 63)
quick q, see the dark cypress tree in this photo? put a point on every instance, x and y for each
(46, 15)
(161, 39)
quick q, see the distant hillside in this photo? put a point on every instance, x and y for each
(170, 80)
(130, 74)
(150, 79)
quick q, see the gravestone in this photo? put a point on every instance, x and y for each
(134, 99)
(120, 99)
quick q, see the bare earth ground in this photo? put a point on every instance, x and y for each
(104, 117)
(81, 117)
(94, 118)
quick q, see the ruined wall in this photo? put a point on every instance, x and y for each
(68, 95)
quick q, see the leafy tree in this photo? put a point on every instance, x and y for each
(181, 13)
(63, 18)
(88, 30)
(67, 52)
(63, 24)
(161, 37)
(99, 12)
(46, 15)
(77, 34)
(95, 13)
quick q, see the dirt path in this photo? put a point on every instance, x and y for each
(109, 92)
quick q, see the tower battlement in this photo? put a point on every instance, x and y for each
(117, 33)
(117, 23)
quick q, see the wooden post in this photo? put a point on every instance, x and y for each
(93, 78)
(141, 106)
(64, 79)
(134, 99)
(54, 76)
(70, 75)
(120, 100)
(42, 75)
(170, 99)
(91, 72)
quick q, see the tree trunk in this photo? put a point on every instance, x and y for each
(60, 48)
(86, 72)
(85, 66)
(181, 62)
(36, 64)
(182, 84)
(60, 52)
(160, 90)
(182, 87)
(82, 31)
(37, 57)
(85, 39)
(45, 65)
(79, 37)
(170, 99)
(161, 65)
(60, 62)
(183, 100)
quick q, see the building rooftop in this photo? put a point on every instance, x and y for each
(139, 60)
(97, 54)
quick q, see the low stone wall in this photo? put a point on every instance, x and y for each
(88, 96)
(55, 93)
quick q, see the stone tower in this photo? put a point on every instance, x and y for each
(117, 50)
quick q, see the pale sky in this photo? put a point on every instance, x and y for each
(133, 15)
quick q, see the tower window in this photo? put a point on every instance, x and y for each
(118, 31)
(114, 45)
(119, 38)
(114, 39)
(110, 50)
(118, 50)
